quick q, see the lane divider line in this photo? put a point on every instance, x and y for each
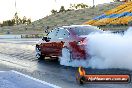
(35, 79)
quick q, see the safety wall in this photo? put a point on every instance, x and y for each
(10, 36)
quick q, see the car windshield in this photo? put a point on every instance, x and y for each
(86, 30)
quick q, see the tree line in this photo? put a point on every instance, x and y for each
(16, 20)
(72, 7)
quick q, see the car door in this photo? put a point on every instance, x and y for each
(62, 37)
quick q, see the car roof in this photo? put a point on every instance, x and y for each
(80, 27)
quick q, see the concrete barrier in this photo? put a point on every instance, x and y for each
(10, 36)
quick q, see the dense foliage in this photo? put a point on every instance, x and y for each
(72, 7)
(16, 20)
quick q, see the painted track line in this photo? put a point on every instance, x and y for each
(37, 80)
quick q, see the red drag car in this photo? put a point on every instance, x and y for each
(70, 38)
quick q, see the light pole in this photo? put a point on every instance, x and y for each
(93, 3)
(15, 6)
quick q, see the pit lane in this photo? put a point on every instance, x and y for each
(19, 54)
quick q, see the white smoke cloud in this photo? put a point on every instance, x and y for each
(107, 50)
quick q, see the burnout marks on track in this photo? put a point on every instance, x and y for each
(17, 55)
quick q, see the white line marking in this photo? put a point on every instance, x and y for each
(43, 82)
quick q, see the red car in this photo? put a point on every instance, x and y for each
(68, 38)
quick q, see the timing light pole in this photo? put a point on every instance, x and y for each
(15, 5)
(93, 3)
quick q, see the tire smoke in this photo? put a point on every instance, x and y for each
(108, 50)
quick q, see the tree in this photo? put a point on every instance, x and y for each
(24, 20)
(29, 21)
(78, 6)
(16, 18)
(19, 21)
(83, 6)
(8, 23)
(62, 9)
(16, 21)
(73, 6)
(53, 11)
(0, 24)
(13, 21)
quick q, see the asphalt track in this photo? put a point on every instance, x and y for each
(19, 55)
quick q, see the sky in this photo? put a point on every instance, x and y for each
(37, 9)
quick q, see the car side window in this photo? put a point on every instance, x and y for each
(85, 30)
(63, 34)
(53, 34)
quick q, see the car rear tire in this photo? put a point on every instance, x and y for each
(39, 56)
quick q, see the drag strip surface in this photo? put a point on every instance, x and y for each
(19, 54)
